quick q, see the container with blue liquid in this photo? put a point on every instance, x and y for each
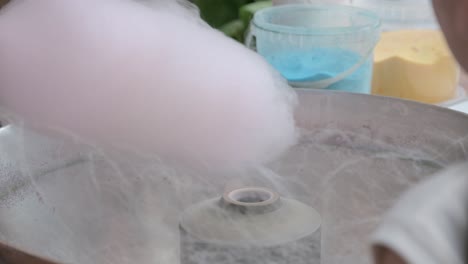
(321, 46)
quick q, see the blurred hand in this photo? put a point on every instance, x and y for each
(453, 18)
(384, 255)
(3, 2)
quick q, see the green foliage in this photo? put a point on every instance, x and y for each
(230, 16)
(246, 12)
(234, 29)
(219, 12)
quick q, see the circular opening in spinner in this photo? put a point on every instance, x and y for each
(252, 196)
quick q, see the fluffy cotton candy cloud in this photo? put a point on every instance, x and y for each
(117, 72)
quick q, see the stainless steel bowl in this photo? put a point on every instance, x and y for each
(74, 204)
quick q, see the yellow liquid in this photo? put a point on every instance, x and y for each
(415, 65)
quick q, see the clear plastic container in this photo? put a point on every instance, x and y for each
(412, 60)
(322, 46)
(401, 14)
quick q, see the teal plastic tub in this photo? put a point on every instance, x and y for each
(321, 46)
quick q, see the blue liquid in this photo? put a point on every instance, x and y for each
(324, 63)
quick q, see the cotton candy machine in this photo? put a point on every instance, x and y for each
(70, 203)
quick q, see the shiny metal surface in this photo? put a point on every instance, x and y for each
(74, 204)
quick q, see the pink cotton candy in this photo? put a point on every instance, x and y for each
(118, 72)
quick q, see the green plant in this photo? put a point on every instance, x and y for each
(220, 12)
(232, 17)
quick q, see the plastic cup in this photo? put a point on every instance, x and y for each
(318, 45)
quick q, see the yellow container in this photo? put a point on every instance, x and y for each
(416, 65)
(412, 59)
